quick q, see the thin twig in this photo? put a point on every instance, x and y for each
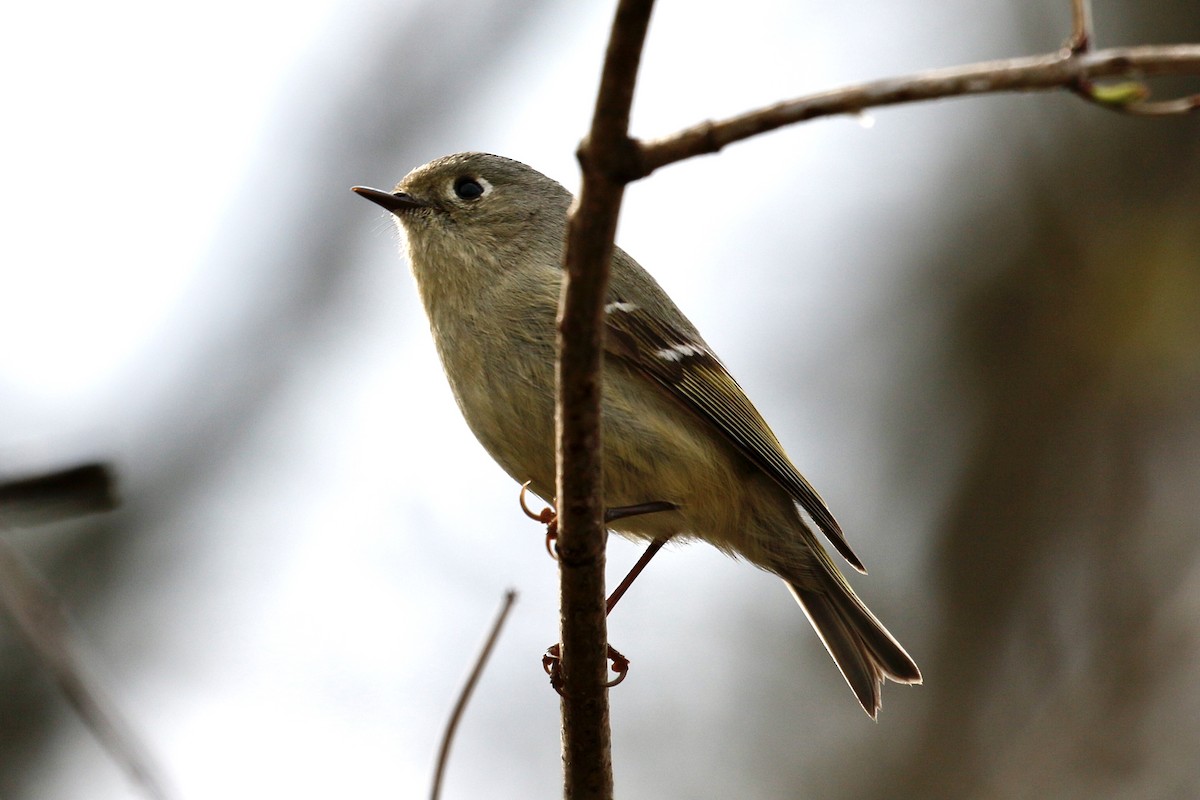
(1081, 26)
(651, 550)
(464, 696)
(42, 622)
(607, 156)
(1033, 73)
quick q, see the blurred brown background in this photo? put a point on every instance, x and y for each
(975, 324)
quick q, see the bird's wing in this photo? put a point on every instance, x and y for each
(688, 370)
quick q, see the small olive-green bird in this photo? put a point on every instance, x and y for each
(485, 239)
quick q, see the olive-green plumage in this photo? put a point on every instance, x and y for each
(485, 242)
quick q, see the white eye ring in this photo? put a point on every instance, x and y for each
(469, 187)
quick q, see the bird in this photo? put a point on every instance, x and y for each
(485, 237)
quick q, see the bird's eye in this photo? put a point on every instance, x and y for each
(468, 188)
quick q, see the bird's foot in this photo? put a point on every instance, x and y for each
(547, 516)
(552, 664)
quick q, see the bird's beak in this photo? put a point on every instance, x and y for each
(395, 202)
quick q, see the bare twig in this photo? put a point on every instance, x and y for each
(1034, 73)
(1081, 26)
(506, 605)
(606, 156)
(614, 598)
(43, 624)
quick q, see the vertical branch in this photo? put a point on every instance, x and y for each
(1081, 26)
(605, 156)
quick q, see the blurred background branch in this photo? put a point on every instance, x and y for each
(43, 621)
(53, 497)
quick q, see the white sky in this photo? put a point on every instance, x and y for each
(130, 124)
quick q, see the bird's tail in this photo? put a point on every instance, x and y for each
(862, 648)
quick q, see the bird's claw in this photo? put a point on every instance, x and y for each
(547, 516)
(552, 664)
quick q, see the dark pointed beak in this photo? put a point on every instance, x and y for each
(395, 202)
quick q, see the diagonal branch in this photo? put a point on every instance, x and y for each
(42, 622)
(464, 696)
(1062, 70)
